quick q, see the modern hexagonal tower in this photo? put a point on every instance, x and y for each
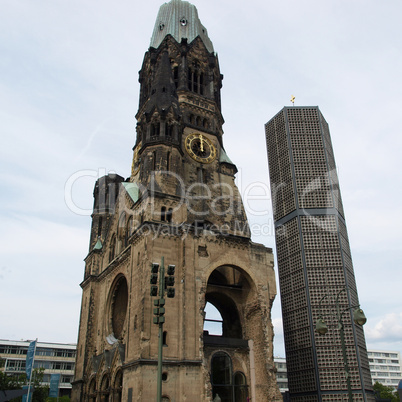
(314, 262)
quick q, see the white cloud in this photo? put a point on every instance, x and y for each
(384, 333)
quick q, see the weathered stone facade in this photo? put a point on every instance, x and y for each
(180, 203)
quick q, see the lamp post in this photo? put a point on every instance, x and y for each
(165, 284)
(321, 327)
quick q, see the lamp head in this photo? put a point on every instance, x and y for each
(358, 317)
(321, 326)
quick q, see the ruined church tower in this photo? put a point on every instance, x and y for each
(181, 204)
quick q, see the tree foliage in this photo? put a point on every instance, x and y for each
(10, 381)
(385, 392)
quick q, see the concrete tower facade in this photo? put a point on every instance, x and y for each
(180, 203)
(314, 260)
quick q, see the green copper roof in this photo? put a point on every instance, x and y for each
(98, 245)
(224, 158)
(132, 190)
(179, 19)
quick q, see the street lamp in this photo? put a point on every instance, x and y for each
(321, 327)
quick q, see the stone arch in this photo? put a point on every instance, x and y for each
(121, 232)
(231, 324)
(91, 392)
(129, 229)
(226, 261)
(104, 390)
(112, 248)
(228, 290)
(117, 386)
(117, 305)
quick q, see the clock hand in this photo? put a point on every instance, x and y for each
(202, 143)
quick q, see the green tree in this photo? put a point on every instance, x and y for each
(385, 392)
(9, 381)
(40, 393)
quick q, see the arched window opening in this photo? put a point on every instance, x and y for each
(231, 325)
(164, 338)
(205, 123)
(168, 161)
(105, 389)
(213, 320)
(163, 213)
(169, 214)
(227, 290)
(129, 229)
(201, 84)
(112, 249)
(229, 387)
(190, 79)
(100, 222)
(117, 387)
(154, 160)
(118, 307)
(198, 121)
(221, 377)
(155, 129)
(122, 232)
(168, 130)
(176, 76)
(195, 82)
(192, 119)
(240, 387)
(195, 79)
(92, 390)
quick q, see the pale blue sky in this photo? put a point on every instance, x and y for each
(69, 94)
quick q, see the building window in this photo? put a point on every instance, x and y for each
(112, 249)
(221, 370)
(176, 76)
(118, 308)
(213, 320)
(195, 79)
(229, 387)
(155, 129)
(168, 130)
(118, 386)
(129, 229)
(169, 214)
(154, 160)
(105, 388)
(92, 391)
(240, 387)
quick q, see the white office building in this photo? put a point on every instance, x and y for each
(281, 374)
(55, 358)
(385, 367)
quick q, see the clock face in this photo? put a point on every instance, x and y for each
(200, 148)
